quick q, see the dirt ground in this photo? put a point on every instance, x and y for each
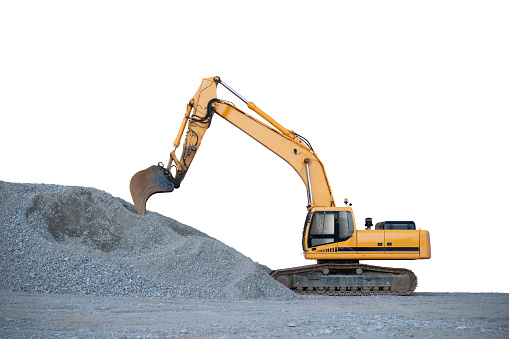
(32, 315)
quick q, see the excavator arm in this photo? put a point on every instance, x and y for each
(288, 145)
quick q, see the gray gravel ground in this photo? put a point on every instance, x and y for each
(430, 315)
(76, 262)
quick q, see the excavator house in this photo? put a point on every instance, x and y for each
(329, 236)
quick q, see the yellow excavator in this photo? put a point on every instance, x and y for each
(329, 236)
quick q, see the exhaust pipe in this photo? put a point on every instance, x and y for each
(144, 184)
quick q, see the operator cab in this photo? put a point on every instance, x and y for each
(328, 227)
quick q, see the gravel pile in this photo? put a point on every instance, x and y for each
(83, 241)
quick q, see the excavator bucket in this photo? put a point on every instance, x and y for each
(146, 183)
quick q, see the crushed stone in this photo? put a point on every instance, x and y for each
(83, 241)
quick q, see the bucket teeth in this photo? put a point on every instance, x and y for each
(147, 182)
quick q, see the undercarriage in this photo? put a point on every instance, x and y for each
(347, 279)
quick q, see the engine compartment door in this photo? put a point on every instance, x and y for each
(401, 241)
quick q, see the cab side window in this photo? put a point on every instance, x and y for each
(346, 225)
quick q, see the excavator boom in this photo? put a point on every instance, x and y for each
(291, 147)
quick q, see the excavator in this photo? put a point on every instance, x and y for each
(329, 236)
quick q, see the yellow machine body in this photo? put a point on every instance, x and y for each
(335, 237)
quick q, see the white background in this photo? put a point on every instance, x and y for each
(405, 102)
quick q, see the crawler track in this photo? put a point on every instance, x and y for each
(347, 279)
